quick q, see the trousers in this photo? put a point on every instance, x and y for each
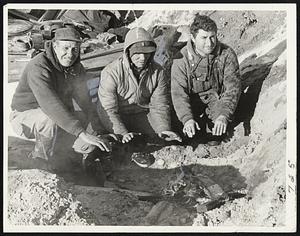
(35, 124)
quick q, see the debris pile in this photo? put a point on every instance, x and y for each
(40, 198)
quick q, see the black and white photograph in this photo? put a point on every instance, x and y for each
(149, 118)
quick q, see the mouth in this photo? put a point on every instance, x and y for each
(141, 63)
(210, 48)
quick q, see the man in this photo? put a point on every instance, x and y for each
(44, 98)
(134, 92)
(205, 82)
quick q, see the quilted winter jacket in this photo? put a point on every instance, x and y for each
(224, 83)
(120, 93)
(46, 84)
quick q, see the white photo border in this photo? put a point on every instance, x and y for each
(291, 197)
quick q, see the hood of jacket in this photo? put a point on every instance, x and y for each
(136, 35)
(73, 70)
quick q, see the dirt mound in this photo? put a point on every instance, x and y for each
(40, 198)
(242, 30)
(262, 162)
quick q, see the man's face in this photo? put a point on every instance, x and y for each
(66, 52)
(205, 42)
(140, 59)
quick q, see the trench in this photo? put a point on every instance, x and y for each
(148, 186)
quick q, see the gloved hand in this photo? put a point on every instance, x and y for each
(190, 128)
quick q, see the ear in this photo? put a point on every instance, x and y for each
(54, 43)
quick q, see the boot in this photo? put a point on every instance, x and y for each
(212, 140)
(43, 147)
(42, 153)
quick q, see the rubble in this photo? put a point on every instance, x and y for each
(39, 198)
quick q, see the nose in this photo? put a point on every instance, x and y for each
(70, 52)
(142, 56)
(209, 42)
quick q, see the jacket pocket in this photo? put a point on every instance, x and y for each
(199, 84)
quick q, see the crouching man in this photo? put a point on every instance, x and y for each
(205, 82)
(43, 100)
(134, 92)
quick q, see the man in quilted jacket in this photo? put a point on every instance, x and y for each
(205, 82)
(134, 92)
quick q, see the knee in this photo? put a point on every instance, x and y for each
(45, 126)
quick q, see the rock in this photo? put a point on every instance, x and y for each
(160, 162)
(201, 151)
(200, 220)
(173, 165)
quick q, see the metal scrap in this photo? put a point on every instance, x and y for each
(194, 190)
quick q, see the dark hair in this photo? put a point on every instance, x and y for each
(202, 22)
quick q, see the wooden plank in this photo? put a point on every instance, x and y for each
(103, 52)
(16, 65)
(110, 190)
(50, 15)
(98, 59)
(22, 15)
(93, 62)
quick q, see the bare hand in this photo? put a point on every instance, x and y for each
(220, 126)
(129, 136)
(170, 136)
(190, 128)
(98, 141)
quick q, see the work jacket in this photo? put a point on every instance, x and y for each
(121, 93)
(213, 78)
(46, 84)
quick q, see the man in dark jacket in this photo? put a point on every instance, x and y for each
(134, 92)
(43, 100)
(205, 82)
